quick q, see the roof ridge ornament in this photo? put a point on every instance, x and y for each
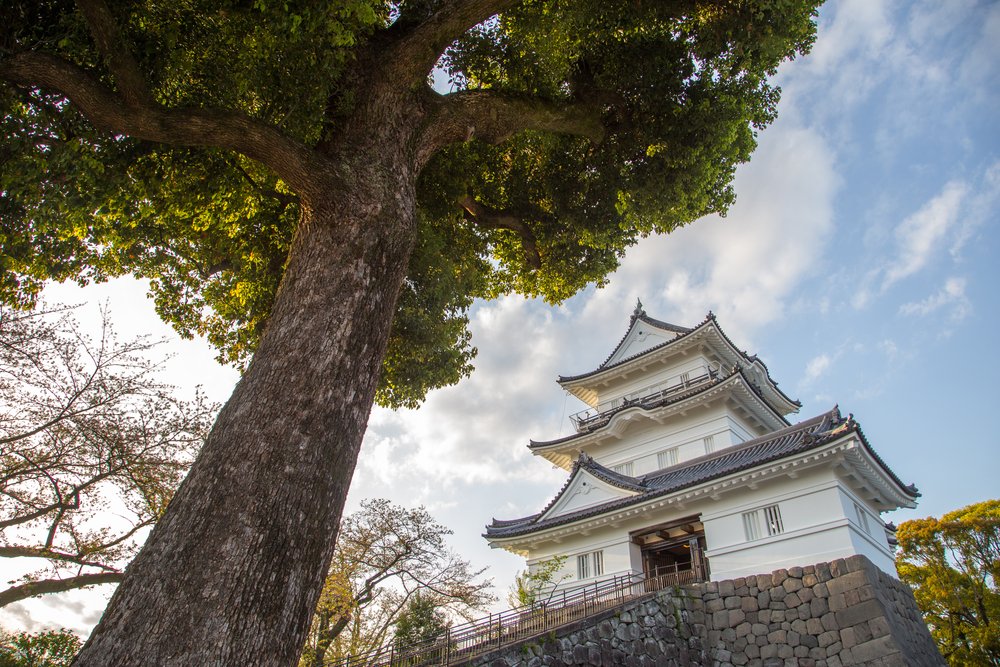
(639, 310)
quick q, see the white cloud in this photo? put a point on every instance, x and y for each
(921, 234)
(745, 266)
(952, 295)
(816, 367)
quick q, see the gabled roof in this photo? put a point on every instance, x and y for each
(587, 466)
(639, 315)
(788, 442)
(710, 326)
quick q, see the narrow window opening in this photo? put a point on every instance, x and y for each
(667, 458)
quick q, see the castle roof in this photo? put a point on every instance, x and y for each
(707, 329)
(788, 443)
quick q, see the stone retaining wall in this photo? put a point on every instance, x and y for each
(847, 612)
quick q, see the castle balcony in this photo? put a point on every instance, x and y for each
(591, 418)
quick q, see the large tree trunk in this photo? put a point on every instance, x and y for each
(231, 574)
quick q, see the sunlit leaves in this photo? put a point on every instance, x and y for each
(680, 87)
(953, 565)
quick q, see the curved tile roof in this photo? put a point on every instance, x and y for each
(789, 441)
(682, 332)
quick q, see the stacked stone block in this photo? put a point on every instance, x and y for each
(846, 612)
(836, 614)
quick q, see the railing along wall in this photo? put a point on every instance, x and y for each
(591, 416)
(461, 642)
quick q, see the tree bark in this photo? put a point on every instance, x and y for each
(232, 572)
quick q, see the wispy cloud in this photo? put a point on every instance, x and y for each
(951, 295)
(920, 235)
(816, 367)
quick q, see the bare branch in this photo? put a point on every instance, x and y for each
(488, 218)
(494, 117)
(31, 589)
(290, 159)
(104, 29)
(51, 554)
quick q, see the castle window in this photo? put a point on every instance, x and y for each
(862, 518)
(772, 517)
(583, 566)
(667, 458)
(588, 565)
(709, 444)
(754, 528)
(623, 468)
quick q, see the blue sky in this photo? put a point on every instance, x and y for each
(860, 262)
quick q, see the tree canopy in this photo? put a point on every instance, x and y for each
(296, 190)
(664, 100)
(953, 565)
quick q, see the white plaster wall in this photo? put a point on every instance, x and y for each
(615, 544)
(669, 372)
(871, 542)
(822, 543)
(643, 438)
(816, 528)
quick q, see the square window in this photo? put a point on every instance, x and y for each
(772, 525)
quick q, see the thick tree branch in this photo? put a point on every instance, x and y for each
(104, 29)
(33, 588)
(291, 160)
(418, 46)
(494, 117)
(488, 218)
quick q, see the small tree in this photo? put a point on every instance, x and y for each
(51, 648)
(387, 556)
(84, 428)
(529, 584)
(953, 565)
(420, 621)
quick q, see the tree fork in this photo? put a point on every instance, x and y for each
(314, 376)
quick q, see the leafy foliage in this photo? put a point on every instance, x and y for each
(51, 648)
(420, 621)
(92, 447)
(953, 565)
(391, 566)
(681, 89)
(530, 584)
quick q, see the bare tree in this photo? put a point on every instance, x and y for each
(385, 555)
(92, 447)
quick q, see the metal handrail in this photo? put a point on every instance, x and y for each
(482, 635)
